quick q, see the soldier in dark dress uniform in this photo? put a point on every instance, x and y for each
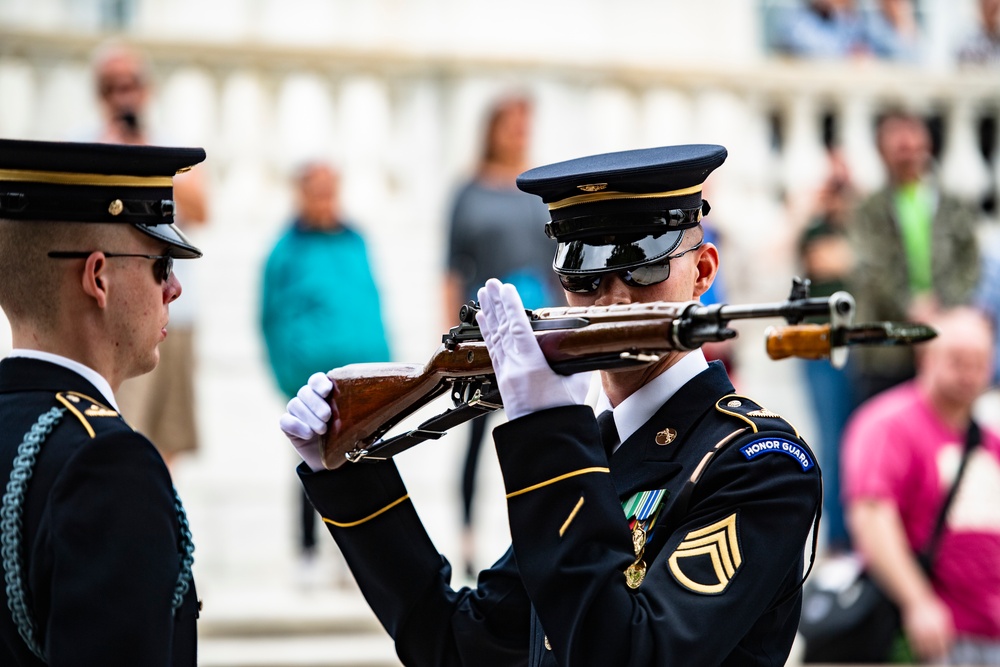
(682, 544)
(95, 547)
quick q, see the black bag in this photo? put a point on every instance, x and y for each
(846, 618)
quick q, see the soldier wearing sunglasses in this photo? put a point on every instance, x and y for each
(670, 529)
(94, 542)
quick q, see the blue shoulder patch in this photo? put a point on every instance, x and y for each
(786, 447)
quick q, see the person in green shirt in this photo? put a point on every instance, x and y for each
(915, 249)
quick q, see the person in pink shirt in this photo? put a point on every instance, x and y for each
(901, 453)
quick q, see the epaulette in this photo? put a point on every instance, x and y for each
(758, 417)
(84, 408)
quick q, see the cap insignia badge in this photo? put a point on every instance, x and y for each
(593, 187)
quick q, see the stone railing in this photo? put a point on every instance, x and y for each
(404, 125)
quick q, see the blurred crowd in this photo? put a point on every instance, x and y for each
(910, 251)
(897, 428)
(884, 29)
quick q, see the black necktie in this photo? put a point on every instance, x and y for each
(609, 432)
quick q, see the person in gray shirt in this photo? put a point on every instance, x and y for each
(496, 231)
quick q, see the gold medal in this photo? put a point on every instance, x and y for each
(644, 507)
(635, 573)
(638, 539)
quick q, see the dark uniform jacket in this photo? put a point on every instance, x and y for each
(724, 559)
(100, 531)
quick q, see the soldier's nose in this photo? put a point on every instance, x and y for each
(613, 291)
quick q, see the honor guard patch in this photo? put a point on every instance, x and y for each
(782, 446)
(708, 558)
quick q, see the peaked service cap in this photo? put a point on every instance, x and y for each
(96, 183)
(617, 211)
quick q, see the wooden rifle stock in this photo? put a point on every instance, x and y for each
(375, 397)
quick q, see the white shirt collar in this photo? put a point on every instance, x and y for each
(87, 372)
(638, 408)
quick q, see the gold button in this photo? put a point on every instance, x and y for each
(548, 646)
(733, 404)
(116, 207)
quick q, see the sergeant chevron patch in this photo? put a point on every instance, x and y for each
(708, 558)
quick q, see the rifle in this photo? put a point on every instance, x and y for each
(375, 397)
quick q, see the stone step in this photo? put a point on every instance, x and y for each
(299, 651)
(281, 626)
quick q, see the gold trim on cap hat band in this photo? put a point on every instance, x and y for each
(70, 178)
(614, 194)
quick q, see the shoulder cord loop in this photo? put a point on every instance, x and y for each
(10, 532)
(10, 526)
(187, 555)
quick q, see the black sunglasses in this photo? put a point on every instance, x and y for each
(640, 276)
(163, 265)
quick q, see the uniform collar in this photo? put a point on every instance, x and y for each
(644, 463)
(638, 408)
(88, 373)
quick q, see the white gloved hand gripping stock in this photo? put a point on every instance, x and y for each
(308, 417)
(526, 381)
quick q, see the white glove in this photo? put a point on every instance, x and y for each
(527, 384)
(309, 416)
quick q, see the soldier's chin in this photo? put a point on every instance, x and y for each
(149, 363)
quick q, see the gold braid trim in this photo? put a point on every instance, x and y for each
(70, 178)
(533, 487)
(352, 524)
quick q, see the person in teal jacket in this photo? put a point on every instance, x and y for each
(320, 304)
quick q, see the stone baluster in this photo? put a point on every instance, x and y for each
(559, 132)
(611, 114)
(18, 81)
(803, 157)
(244, 147)
(60, 79)
(187, 104)
(857, 139)
(667, 117)
(995, 162)
(963, 171)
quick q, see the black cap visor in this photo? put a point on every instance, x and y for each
(614, 252)
(180, 246)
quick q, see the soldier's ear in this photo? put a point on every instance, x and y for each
(706, 266)
(94, 279)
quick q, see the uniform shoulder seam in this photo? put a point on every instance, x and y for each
(752, 413)
(84, 408)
